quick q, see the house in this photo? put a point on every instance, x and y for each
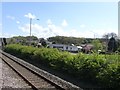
(86, 48)
(70, 48)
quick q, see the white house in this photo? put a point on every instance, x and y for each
(70, 48)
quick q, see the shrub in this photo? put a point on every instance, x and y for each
(101, 69)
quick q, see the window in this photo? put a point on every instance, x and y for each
(66, 48)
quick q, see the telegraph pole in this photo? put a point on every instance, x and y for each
(30, 29)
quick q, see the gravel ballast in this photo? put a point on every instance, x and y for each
(9, 79)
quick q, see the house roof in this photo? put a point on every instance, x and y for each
(79, 47)
(88, 46)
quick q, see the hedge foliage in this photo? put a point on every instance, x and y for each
(101, 69)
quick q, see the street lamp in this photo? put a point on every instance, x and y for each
(31, 28)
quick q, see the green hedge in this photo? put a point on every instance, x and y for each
(101, 69)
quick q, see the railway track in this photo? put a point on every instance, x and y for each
(35, 77)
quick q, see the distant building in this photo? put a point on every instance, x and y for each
(70, 48)
(86, 48)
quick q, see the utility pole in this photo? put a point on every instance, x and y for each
(93, 34)
(30, 29)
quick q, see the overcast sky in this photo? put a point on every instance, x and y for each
(78, 19)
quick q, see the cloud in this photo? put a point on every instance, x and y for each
(45, 32)
(17, 22)
(29, 15)
(7, 35)
(37, 30)
(98, 33)
(54, 30)
(82, 25)
(49, 22)
(77, 33)
(11, 17)
(64, 23)
(0, 30)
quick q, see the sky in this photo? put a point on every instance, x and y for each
(76, 19)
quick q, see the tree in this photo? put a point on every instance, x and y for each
(4, 40)
(85, 41)
(112, 45)
(22, 40)
(43, 42)
(107, 36)
(33, 38)
(118, 45)
(97, 45)
(66, 40)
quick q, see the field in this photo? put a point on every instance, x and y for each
(101, 69)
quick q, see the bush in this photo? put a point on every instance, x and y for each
(14, 49)
(48, 56)
(101, 69)
(27, 52)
